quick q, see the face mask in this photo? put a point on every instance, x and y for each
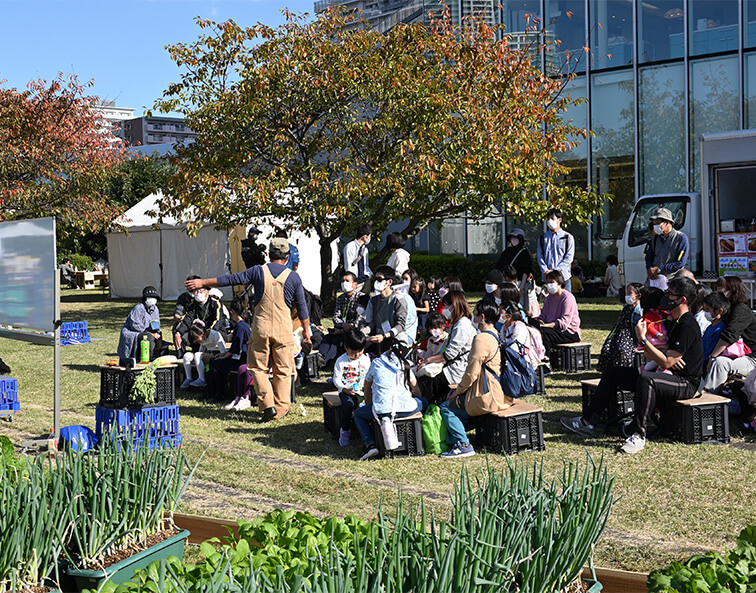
(514, 241)
(360, 310)
(629, 299)
(442, 291)
(709, 317)
(503, 319)
(200, 297)
(552, 287)
(490, 287)
(552, 224)
(436, 332)
(497, 300)
(446, 312)
(657, 229)
(346, 286)
(150, 302)
(667, 304)
(379, 286)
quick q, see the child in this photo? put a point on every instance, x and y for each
(432, 297)
(387, 393)
(654, 318)
(235, 359)
(208, 340)
(435, 325)
(716, 306)
(611, 276)
(417, 292)
(349, 377)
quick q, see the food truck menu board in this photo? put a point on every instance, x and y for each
(737, 253)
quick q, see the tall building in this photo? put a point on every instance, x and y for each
(143, 131)
(380, 15)
(114, 116)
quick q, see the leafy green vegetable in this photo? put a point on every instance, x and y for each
(143, 388)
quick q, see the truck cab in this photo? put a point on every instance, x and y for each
(631, 249)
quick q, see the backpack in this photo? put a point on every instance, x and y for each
(619, 346)
(518, 377)
(537, 349)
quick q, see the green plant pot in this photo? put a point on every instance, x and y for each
(124, 570)
(593, 586)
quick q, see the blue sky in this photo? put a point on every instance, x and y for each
(118, 43)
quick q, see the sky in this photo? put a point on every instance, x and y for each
(120, 44)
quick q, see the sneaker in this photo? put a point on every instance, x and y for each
(634, 444)
(232, 404)
(369, 452)
(577, 426)
(269, 414)
(186, 384)
(459, 450)
(243, 404)
(344, 437)
(198, 383)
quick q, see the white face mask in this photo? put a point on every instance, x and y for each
(446, 312)
(347, 286)
(657, 229)
(150, 302)
(436, 332)
(709, 317)
(629, 299)
(442, 291)
(514, 241)
(490, 287)
(552, 223)
(497, 300)
(504, 319)
(360, 310)
(379, 286)
(200, 297)
(552, 287)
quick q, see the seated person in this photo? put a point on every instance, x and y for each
(684, 358)
(715, 307)
(493, 281)
(559, 321)
(205, 343)
(204, 307)
(514, 328)
(620, 345)
(479, 390)
(740, 324)
(349, 374)
(68, 274)
(346, 316)
(143, 322)
(435, 326)
(182, 302)
(388, 394)
(235, 359)
(386, 313)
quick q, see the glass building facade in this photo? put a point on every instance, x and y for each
(659, 74)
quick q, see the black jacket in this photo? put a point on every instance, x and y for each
(741, 323)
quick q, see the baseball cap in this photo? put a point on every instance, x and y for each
(662, 214)
(280, 245)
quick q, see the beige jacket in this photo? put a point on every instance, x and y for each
(482, 389)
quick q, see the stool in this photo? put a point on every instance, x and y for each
(540, 372)
(513, 430)
(573, 358)
(331, 409)
(620, 409)
(699, 420)
(409, 430)
(639, 360)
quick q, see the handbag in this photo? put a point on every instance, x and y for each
(737, 349)
(434, 431)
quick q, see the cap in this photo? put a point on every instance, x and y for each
(280, 245)
(253, 229)
(517, 233)
(495, 277)
(150, 292)
(661, 213)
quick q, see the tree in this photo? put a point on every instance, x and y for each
(330, 127)
(55, 152)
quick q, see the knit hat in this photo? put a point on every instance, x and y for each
(495, 277)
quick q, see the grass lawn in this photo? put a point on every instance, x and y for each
(672, 499)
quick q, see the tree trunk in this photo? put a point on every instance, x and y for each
(328, 284)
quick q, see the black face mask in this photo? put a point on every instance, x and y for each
(667, 304)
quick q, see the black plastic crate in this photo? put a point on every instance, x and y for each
(410, 434)
(513, 433)
(573, 358)
(621, 406)
(116, 382)
(331, 411)
(540, 373)
(698, 423)
(588, 387)
(639, 360)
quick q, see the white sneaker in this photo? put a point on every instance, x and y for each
(370, 452)
(186, 383)
(634, 444)
(198, 383)
(232, 404)
(243, 404)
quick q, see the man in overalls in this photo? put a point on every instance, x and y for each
(278, 290)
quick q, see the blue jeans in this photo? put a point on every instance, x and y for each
(457, 422)
(364, 415)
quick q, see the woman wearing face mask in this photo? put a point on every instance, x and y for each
(619, 348)
(205, 307)
(143, 322)
(516, 255)
(455, 309)
(493, 280)
(559, 321)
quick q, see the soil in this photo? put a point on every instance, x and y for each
(151, 540)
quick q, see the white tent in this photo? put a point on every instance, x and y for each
(163, 255)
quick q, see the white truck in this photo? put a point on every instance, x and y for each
(725, 205)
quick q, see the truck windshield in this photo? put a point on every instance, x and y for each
(640, 231)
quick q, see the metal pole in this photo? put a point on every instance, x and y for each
(56, 360)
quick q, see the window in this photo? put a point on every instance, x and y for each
(713, 26)
(660, 30)
(157, 126)
(611, 34)
(640, 231)
(566, 20)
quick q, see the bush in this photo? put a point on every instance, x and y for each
(79, 262)
(470, 272)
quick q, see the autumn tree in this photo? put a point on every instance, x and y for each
(55, 153)
(330, 127)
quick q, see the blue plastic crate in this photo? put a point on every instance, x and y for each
(150, 422)
(74, 332)
(11, 407)
(171, 440)
(8, 391)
